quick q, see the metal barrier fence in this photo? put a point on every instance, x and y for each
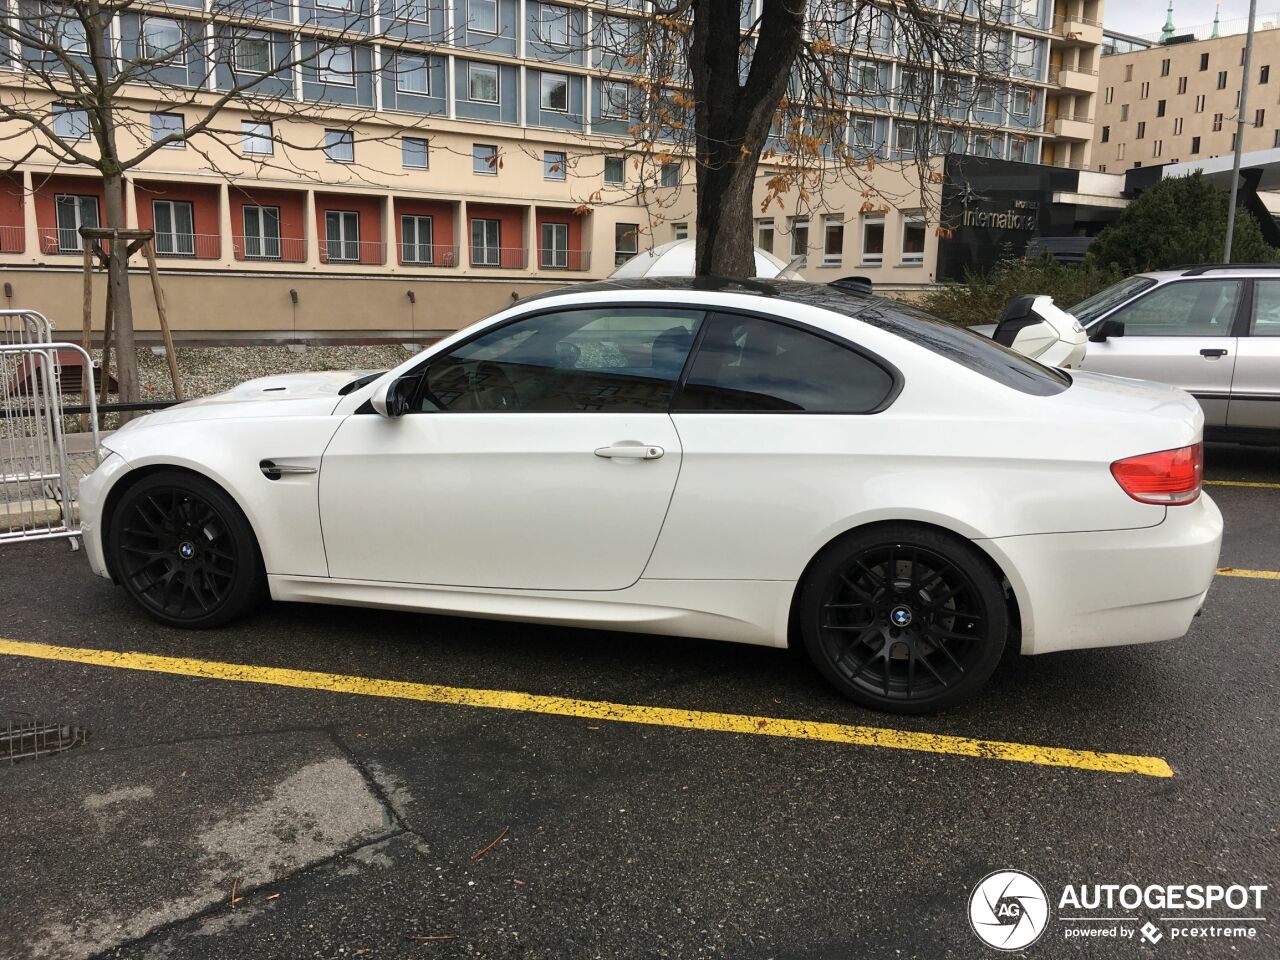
(37, 482)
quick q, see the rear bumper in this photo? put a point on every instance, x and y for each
(1081, 590)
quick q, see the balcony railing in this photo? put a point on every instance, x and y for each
(1062, 25)
(277, 249)
(61, 240)
(1055, 73)
(429, 254)
(551, 259)
(499, 258)
(367, 252)
(12, 239)
(190, 246)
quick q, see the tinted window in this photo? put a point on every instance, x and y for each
(610, 360)
(751, 365)
(1189, 308)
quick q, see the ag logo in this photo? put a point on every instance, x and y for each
(1008, 910)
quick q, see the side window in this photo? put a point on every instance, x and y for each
(608, 360)
(749, 365)
(1189, 308)
(1266, 317)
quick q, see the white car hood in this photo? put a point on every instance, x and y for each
(289, 395)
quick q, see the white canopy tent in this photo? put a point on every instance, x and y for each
(675, 259)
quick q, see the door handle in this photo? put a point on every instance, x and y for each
(630, 450)
(1213, 354)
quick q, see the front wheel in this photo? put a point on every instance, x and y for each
(904, 619)
(184, 551)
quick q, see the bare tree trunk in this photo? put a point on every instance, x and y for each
(118, 281)
(725, 243)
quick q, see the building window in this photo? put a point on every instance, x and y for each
(554, 252)
(904, 137)
(174, 223)
(764, 235)
(342, 235)
(334, 4)
(1160, 105)
(873, 238)
(256, 138)
(1157, 147)
(1164, 67)
(70, 123)
(1102, 168)
(553, 25)
(553, 165)
(164, 124)
(1275, 140)
(482, 82)
(1182, 85)
(1259, 117)
(913, 238)
(74, 212)
(680, 231)
(415, 153)
(553, 90)
(484, 159)
(986, 98)
(413, 74)
(163, 39)
(615, 100)
(863, 133)
(484, 15)
(669, 174)
(1222, 79)
(1177, 126)
(1217, 122)
(340, 146)
(1142, 129)
(1204, 61)
(1120, 152)
(626, 240)
(1110, 94)
(69, 34)
(832, 241)
(1106, 134)
(800, 239)
(615, 171)
(1200, 103)
(253, 53)
(1020, 102)
(413, 10)
(1124, 112)
(261, 232)
(337, 65)
(1264, 74)
(416, 239)
(1195, 142)
(1144, 90)
(486, 243)
(1128, 72)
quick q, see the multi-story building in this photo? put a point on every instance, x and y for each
(1180, 101)
(484, 161)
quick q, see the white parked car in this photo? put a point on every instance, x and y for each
(765, 462)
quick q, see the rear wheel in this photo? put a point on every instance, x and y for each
(903, 618)
(184, 551)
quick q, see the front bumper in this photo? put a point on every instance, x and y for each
(93, 495)
(1113, 587)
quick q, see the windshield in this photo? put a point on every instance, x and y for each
(1091, 308)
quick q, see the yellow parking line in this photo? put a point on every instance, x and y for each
(601, 710)
(1252, 574)
(1243, 483)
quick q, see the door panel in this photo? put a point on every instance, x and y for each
(516, 500)
(1255, 391)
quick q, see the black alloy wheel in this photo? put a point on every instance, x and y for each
(904, 619)
(184, 551)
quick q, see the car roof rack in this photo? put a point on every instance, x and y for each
(1196, 269)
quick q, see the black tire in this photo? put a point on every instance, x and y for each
(918, 640)
(184, 551)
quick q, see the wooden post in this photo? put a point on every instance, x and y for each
(148, 250)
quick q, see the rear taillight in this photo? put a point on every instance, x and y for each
(1169, 477)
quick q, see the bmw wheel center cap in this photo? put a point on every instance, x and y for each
(900, 616)
(186, 549)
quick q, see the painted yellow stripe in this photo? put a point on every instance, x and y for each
(601, 710)
(1252, 574)
(1257, 484)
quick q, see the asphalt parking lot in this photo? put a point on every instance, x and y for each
(253, 810)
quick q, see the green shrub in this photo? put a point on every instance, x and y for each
(982, 296)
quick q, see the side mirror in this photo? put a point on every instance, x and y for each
(396, 397)
(1105, 330)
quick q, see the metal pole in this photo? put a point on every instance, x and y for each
(1240, 122)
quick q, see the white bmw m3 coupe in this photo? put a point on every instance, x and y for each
(765, 462)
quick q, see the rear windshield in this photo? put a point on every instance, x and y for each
(980, 354)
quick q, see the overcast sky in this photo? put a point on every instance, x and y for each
(1142, 17)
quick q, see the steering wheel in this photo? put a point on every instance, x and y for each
(492, 389)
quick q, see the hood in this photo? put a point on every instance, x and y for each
(288, 395)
